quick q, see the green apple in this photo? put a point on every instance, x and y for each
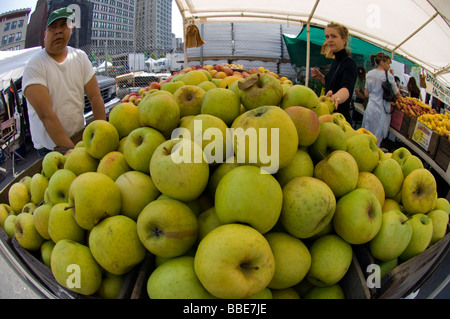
(358, 216)
(393, 237)
(121, 144)
(400, 155)
(160, 112)
(94, 196)
(390, 204)
(329, 104)
(286, 293)
(5, 211)
(137, 190)
(18, 196)
(125, 118)
(223, 103)
(29, 208)
(171, 86)
(301, 95)
(59, 185)
(387, 266)
(422, 233)
(300, 165)
(115, 244)
(364, 151)
(176, 279)
(306, 122)
(330, 292)
(74, 267)
(331, 138)
(46, 252)
(139, 147)
(62, 224)
(234, 261)
(189, 99)
(266, 137)
(442, 204)
(179, 170)
(390, 174)
(339, 171)
(419, 192)
(113, 165)
(207, 221)
(207, 85)
(25, 232)
(194, 77)
(99, 138)
(331, 257)
(41, 216)
(9, 225)
(244, 195)
(308, 206)
(439, 219)
(167, 227)
(410, 164)
(292, 259)
(185, 120)
(111, 286)
(266, 293)
(218, 173)
(371, 182)
(260, 89)
(80, 161)
(38, 185)
(52, 162)
(26, 180)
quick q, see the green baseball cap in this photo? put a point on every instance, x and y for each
(62, 13)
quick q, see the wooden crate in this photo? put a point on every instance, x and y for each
(442, 157)
(424, 137)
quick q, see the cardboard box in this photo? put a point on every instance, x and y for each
(442, 157)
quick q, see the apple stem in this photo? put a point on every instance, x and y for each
(69, 207)
(259, 83)
(248, 266)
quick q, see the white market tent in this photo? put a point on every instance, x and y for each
(418, 30)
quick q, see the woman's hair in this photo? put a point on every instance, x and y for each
(361, 72)
(412, 86)
(343, 32)
(380, 56)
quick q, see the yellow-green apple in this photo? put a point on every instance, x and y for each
(390, 174)
(207, 73)
(218, 173)
(113, 165)
(331, 138)
(178, 169)
(326, 118)
(411, 163)
(266, 293)
(331, 257)
(18, 196)
(194, 77)
(80, 161)
(387, 266)
(125, 118)
(38, 185)
(292, 259)
(442, 204)
(390, 204)
(46, 252)
(167, 227)
(160, 112)
(364, 151)
(306, 122)
(9, 225)
(172, 86)
(207, 221)
(419, 192)
(99, 138)
(301, 95)
(324, 109)
(223, 103)
(330, 292)
(29, 208)
(41, 216)
(244, 195)
(26, 180)
(362, 130)
(286, 293)
(25, 232)
(5, 211)
(52, 162)
(260, 89)
(349, 131)
(393, 237)
(189, 99)
(62, 224)
(74, 267)
(111, 284)
(339, 171)
(371, 182)
(176, 279)
(207, 85)
(401, 154)
(308, 206)
(358, 216)
(439, 219)
(234, 261)
(115, 244)
(422, 232)
(59, 185)
(94, 196)
(137, 190)
(328, 103)
(139, 147)
(266, 137)
(300, 165)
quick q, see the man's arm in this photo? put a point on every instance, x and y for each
(39, 98)
(93, 94)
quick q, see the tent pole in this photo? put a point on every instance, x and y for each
(308, 41)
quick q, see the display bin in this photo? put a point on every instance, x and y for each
(423, 137)
(400, 122)
(442, 157)
(408, 276)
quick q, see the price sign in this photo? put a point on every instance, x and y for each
(422, 135)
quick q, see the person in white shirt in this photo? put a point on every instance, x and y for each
(54, 83)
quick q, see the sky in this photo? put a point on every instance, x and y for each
(177, 24)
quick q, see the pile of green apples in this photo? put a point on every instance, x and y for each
(218, 222)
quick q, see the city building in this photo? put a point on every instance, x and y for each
(13, 29)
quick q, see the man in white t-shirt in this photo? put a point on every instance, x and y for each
(54, 83)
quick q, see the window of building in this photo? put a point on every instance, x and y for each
(4, 40)
(11, 38)
(18, 36)
(20, 24)
(13, 25)
(6, 26)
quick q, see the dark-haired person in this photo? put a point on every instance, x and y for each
(413, 89)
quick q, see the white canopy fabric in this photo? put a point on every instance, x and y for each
(12, 64)
(415, 29)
